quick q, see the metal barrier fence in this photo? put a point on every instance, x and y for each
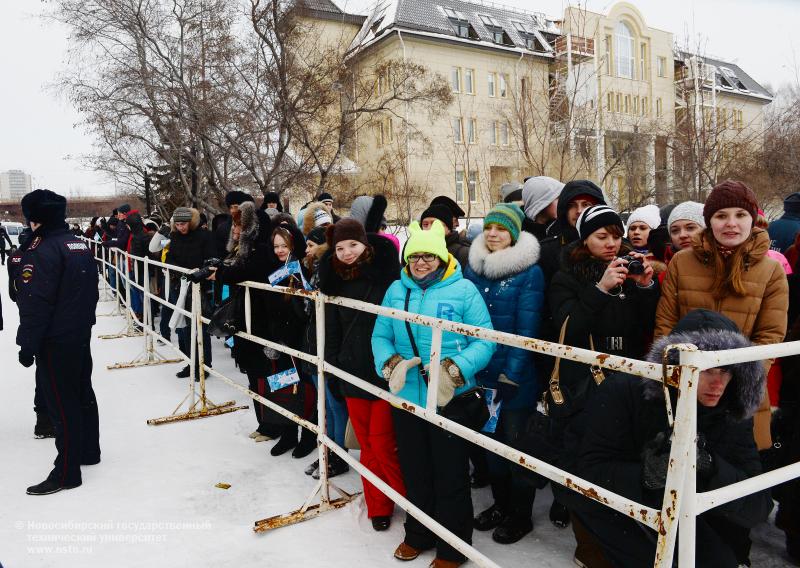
(682, 503)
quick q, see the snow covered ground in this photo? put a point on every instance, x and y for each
(152, 501)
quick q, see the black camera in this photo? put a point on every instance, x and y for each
(634, 266)
(202, 273)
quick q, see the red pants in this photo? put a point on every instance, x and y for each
(372, 423)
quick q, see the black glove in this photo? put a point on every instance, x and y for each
(706, 467)
(25, 358)
(655, 461)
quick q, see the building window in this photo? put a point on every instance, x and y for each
(473, 186)
(662, 66)
(645, 107)
(643, 62)
(722, 119)
(458, 130)
(738, 120)
(618, 103)
(472, 130)
(460, 186)
(659, 109)
(635, 105)
(460, 24)
(504, 133)
(494, 133)
(609, 102)
(503, 78)
(492, 82)
(469, 81)
(455, 79)
(627, 104)
(624, 48)
(609, 55)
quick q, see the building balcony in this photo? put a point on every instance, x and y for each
(581, 48)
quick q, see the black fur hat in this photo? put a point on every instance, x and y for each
(712, 331)
(237, 198)
(45, 207)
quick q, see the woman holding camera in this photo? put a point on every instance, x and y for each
(603, 301)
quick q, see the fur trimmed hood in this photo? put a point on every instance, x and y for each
(310, 212)
(383, 269)
(743, 394)
(193, 224)
(509, 261)
(248, 234)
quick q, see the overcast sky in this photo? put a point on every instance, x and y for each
(39, 131)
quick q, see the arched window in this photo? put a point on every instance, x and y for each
(625, 51)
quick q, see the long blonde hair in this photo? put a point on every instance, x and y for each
(728, 271)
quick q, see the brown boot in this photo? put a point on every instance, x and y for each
(441, 563)
(406, 552)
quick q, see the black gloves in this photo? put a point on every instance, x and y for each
(706, 467)
(25, 358)
(655, 460)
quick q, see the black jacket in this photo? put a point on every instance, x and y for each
(120, 238)
(627, 412)
(348, 332)
(190, 250)
(618, 325)
(56, 286)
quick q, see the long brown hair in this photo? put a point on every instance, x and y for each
(728, 271)
(581, 252)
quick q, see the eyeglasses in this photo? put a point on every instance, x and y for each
(415, 258)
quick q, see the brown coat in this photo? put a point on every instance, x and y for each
(760, 314)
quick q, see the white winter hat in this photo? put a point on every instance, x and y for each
(687, 211)
(322, 218)
(649, 215)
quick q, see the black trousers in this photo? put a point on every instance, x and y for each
(64, 378)
(435, 466)
(511, 493)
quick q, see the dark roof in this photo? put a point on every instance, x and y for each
(730, 78)
(429, 16)
(327, 10)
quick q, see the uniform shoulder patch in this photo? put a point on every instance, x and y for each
(35, 243)
(77, 246)
(27, 273)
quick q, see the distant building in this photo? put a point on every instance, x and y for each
(14, 185)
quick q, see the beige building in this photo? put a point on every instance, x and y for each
(602, 96)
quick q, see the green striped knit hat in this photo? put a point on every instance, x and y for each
(507, 215)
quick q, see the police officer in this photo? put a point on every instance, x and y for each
(57, 294)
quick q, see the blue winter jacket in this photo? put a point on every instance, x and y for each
(512, 285)
(453, 298)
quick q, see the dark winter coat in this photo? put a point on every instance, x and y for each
(627, 412)
(348, 332)
(783, 231)
(139, 243)
(56, 286)
(512, 285)
(192, 249)
(618, 324)
(249, 259)
(119, 239)
(5, 238)
(458, 246)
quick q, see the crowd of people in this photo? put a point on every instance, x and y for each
(551, 261)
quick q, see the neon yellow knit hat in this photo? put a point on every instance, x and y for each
(430, 241)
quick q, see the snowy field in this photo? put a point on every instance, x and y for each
(152, 501)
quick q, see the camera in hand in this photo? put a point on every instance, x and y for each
(634, 266)
(202, 273)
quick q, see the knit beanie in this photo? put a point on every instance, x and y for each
(440, 212)
(687, 211)
(649, 215)
(792, 203)
(325, 197)
(345, 229)
(182, 215)
(124, 208)
(730, 193)
(538, 192)
(316, 235)
(507, 215)
(596, 217)
(322, 218)
(430, 241)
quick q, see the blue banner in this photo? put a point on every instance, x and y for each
(287, 270)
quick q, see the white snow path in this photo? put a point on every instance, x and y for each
(152, 500)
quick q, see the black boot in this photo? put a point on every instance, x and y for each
(489, 519)
(512, 529)
(288, 440)
(308, 443)
(336, 466)
(559, 515)
(44, 428)
(49, 486)
(183, 373)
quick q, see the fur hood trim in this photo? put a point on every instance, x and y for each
(193, 224)
(507, 262)
(308, 216)
(382, 270)
(744, 393)
(248, 234)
